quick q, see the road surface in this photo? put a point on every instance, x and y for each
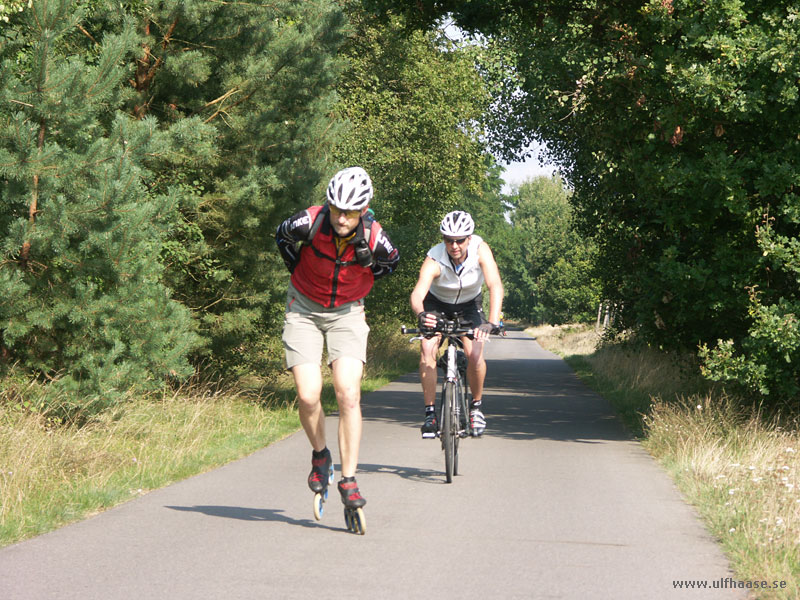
(555, 501)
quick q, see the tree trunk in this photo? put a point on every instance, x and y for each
(33, 209)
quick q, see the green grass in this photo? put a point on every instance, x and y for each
(51, 475)
(737, 466)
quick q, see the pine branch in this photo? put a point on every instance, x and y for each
(218, 300)
(87, 34)
(224, 96)
(223, 110)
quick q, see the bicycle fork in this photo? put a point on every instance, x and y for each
(454, 375)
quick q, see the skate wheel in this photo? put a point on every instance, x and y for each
(355, 520)
(360, 522)
(319, 500)
(330, 476)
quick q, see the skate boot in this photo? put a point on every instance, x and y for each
(319, 479)
(321, 475)
(353, 502)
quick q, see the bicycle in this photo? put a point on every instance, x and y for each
(452, 409)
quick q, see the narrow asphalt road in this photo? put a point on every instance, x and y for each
(555, 501)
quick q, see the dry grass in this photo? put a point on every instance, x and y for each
(742, 473)
(51, 475)
(567, 340)
(738, 467)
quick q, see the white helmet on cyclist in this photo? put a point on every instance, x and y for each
(457, 224)
(350, 189)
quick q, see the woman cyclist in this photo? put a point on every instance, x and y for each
(450, 284)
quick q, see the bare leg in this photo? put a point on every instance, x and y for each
(347, 373)
(476, 367)
(429, 348)
(308, 381)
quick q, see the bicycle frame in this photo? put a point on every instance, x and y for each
(454, 367)
(453, 415)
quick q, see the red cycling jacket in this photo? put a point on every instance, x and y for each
(320, 274)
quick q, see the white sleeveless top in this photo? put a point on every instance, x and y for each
(455, 287)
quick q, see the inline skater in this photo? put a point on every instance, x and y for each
(334, 252)
(451, 283)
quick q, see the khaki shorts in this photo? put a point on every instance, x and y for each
(307, 325)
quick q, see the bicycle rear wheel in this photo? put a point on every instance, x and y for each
(449, 429)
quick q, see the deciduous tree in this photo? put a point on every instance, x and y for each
(415, 104)
(675, 122)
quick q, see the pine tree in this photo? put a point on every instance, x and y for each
(147, 152)
(83, 301)
(244, 92)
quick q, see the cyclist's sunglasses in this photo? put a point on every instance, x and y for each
(458, 241)
(350, 214)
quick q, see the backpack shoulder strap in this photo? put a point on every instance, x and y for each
(371, 231)
(317, 223)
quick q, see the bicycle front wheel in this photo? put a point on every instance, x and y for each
(459, 404)
(449, 429)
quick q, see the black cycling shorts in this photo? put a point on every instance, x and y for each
(468, 313)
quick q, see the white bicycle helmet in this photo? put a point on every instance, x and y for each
(457, 224)
(350, 189)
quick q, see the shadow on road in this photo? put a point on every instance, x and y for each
(524, 399)
(249, 514)
(410, 473)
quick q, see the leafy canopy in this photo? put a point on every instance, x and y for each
(675, 123)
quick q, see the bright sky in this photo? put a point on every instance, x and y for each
(518, 172)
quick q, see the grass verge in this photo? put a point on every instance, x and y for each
(736, 465)
(53, 475)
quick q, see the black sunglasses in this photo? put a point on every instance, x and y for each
(459, 241)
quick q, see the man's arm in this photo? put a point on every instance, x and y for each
(386, 256)
(427, 273)
(293, 230)
(491, 275)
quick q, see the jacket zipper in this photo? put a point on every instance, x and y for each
(460, 289)
(335, 282)
(458, 276)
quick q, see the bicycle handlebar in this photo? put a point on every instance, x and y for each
(429, 334)
(450, 328)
